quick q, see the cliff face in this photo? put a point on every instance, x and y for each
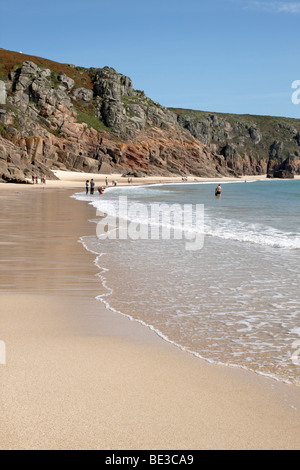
(251, 145)
(58, 116)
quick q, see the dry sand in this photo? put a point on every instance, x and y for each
(78, 376)
(72, 179)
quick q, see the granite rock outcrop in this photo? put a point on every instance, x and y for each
(59, 116)
(49, 122)
(251, 145)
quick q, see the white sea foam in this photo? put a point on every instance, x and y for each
(233, 303)
(215, 227)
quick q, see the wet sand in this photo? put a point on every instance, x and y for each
(78, 376)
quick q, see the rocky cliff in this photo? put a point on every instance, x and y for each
(251, 145)
(59, 116)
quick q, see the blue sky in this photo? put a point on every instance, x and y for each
(234, 56)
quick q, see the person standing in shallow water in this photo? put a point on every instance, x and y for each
(218, 190)
(87, 186)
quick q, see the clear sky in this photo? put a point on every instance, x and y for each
(237, 56)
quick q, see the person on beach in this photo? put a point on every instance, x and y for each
(87, 186)
(106, 181)
(218, 190)
(92, 186)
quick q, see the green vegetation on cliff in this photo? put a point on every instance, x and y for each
(79, 107)
(249, 143)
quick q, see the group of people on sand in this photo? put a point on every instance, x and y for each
(35, 179)
(90, 187)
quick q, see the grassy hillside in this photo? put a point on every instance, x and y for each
(248, 134)
(10, 61)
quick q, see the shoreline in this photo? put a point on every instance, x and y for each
(166, 339)
(81, 377)
(73, 180)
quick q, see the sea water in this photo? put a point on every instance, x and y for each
(235, 300)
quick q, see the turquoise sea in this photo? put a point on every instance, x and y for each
(235, 301)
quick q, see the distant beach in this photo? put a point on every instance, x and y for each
(78, 376)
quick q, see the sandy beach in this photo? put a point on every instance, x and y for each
(78, 376)
(69, 179)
